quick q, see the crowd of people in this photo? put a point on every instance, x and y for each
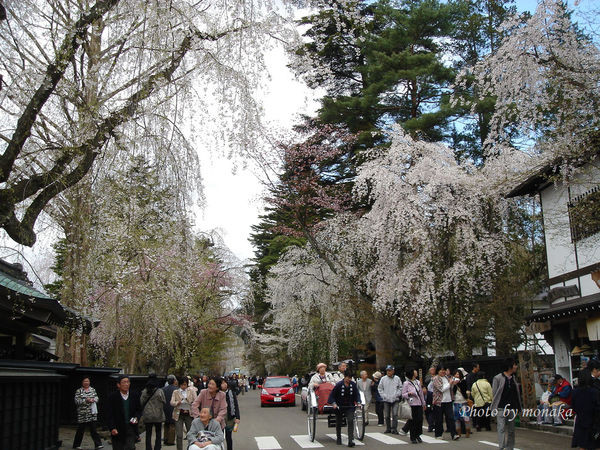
(203, 409)
(458, 400)
(206, 411)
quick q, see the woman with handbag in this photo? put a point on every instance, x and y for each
(153, 403)
(413, 399)
(86, 400)
(181, 401)
(482, 394)
(233, 412)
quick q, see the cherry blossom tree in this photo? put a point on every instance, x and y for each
(545, 77)
(82, 78)
(425, 254)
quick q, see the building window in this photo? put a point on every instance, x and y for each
(584, 214)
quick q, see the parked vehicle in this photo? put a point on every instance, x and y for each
(277, 391)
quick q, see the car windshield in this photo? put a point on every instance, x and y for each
(277, 383)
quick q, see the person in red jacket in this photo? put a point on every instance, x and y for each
(560, 399)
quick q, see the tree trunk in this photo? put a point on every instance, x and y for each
(384, 349)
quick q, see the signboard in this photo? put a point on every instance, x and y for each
(526, 370)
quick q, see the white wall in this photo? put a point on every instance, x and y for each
(560, 250)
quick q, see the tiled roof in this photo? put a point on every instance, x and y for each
(20, 286)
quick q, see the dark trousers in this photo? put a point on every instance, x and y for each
(430, 419)
(93, 432)
(169, 433)
(229, 438)
(158, 430)
(439, 412)
(124, 441)
(349, 414)
(483, 420)
(379, 411)
(414, 425)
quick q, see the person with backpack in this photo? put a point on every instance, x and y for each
(153, 404)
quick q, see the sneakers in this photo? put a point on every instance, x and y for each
(402, 433)
(456, 437)
(379, 424)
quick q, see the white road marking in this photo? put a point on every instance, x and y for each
(267, 443)
(430, 440)
(493, 444)
(344, 439)
(304, 441)
(385, 439)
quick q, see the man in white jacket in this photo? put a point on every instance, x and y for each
(390, 390)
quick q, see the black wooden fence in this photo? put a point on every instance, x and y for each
(29, 409)
(37, 397)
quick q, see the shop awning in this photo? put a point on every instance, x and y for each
(569, 308)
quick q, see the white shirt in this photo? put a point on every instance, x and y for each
(125, 396)
(446, 395)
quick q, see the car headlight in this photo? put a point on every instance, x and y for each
(264, 392)
(291, 391)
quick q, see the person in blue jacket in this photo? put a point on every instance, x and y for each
(344, 397)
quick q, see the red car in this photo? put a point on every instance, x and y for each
(277, 391)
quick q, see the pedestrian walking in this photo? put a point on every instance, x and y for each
(470, 378)
(378, 400)
(390, 389)
(181, 402)
(429, 377)
(443, 397)
(482, 394)
(460, 405)
(123, 414)
(213, 399)
(586, 404)
(344, 397)
(428, 411)
(153, 411)
(413, 394)
(86, 401)
(506, 404)
(364, 385)
(169, 431)
(233, 412)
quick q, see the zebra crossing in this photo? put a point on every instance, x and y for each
(303, 441)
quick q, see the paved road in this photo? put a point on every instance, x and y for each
(285, 428)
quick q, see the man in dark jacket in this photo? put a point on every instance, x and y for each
(124, 412)
(169, 422)
(344, 397)
(594, 368)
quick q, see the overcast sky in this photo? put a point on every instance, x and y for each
(233, 200)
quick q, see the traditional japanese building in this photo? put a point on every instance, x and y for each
(29, 319)
(570, 317)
